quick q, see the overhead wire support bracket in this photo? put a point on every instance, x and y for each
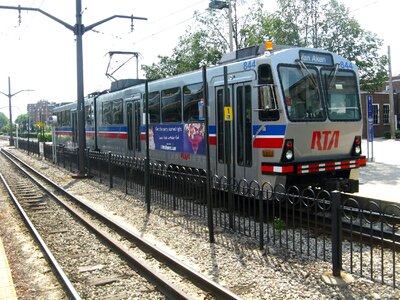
(79, 29)
(112, 53)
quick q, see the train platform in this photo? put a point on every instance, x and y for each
(380, 178)
(7, 290)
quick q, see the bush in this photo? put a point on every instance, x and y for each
(46, 137)
(396, 134)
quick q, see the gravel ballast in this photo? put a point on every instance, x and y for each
(233, 261)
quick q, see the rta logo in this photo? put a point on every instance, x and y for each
(325, 140)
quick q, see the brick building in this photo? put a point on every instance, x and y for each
(41, 111)
(381, 110)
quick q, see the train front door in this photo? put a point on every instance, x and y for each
(234, 131)
(133, 124)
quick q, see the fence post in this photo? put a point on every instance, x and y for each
(336, 233)
(109, 170)
(261, 208)
(63, 155)
(126, 159)
(88, 161)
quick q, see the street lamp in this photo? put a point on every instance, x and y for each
(9, 95)
(216, 4)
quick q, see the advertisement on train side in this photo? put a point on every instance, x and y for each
(184, 138)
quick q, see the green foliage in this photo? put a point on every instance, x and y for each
(44, 137)
(5, 129)
(397, 134)
(279, 224)
(327, 24)
(4, 121)
(205, 43)
(323, 24)
(191, 53)
(387, 134)
(22, 120)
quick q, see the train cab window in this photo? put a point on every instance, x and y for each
(193, 103)
(117, 112)
(267, 105)
(341, 94)
(154, 107)
(171, 108)
(301, 92)
(106, 113)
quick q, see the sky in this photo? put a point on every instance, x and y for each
(39, 54)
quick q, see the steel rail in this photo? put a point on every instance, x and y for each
(62, 277)
(206, 284)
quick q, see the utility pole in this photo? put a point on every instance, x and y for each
(79, 29)
(216, 4)
(391, 101)
(9, 95)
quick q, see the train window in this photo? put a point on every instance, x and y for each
(220, 126)
(341, 94)
(265, 80)
(192, 96)
(89, 114)
(117, 112)
(154, 107)
(106, 113)
(301, 91)
(244, 128)
(171, 105)
(67, 118)
(58, 115)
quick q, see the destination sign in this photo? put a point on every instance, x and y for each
(316, 58)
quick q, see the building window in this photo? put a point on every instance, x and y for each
(386, 113)
(375, 111)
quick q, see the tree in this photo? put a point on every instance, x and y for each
(322, 24)
(22, 120)
(206, 41)
(4, 121)
(190, 54)
(328, 25)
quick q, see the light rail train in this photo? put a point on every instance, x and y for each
(288, 116)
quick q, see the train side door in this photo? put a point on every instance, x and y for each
(238, 147)
(133, 124)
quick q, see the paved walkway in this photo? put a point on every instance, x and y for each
(380, 179)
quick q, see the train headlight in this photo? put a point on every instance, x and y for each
(288, 151)
(289, 154)
(356, 149)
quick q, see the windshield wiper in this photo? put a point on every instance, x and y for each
(313, 80)
(334, 71)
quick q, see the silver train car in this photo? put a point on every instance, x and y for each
(288, 116)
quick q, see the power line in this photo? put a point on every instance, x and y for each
(178, 11)
(155, 22)
(163, 30)
(366, 5)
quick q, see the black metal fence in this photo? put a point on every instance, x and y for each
(359, 238)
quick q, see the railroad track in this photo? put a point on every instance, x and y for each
(91, 276)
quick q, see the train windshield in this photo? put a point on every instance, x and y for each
(307, 98)
(341, 94)
(303, 99)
